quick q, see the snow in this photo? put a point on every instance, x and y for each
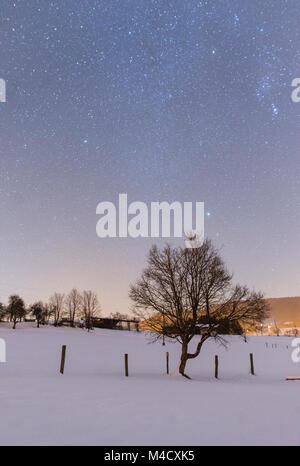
(93, 403)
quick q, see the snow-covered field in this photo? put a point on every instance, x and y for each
(94, 404)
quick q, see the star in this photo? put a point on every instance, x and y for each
(187, 101)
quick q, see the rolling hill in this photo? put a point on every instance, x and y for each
(285, 311)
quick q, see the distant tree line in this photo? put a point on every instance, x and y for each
(75, 306)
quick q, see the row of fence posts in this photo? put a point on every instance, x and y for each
(63, 359)
(217, 365)
(274, 345)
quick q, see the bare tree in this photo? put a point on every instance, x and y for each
(73, 305)
(48, 311)
(90, 308)
(16, 309)
(191, 291)
(277, 330)
(56, 303)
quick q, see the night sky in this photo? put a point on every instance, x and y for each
(164, 100)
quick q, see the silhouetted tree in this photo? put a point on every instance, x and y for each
(191, 291)
(16, 309)
(73, 305)
(277, 330)
(90, 308)
(48, 311)
(38, 310)
(3, 311)
(56, 303)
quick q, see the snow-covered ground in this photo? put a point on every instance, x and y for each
(94, 404)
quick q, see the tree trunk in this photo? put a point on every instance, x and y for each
(183, 359)
(72, 318)
(185, 356)
(14, 326)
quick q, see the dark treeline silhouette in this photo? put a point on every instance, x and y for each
(73, 308)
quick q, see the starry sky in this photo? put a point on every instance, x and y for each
(164, 100)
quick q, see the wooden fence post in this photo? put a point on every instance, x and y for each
(126, 365)
(251, 364)
(167, 360)
(63, 358)
(216, 367)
